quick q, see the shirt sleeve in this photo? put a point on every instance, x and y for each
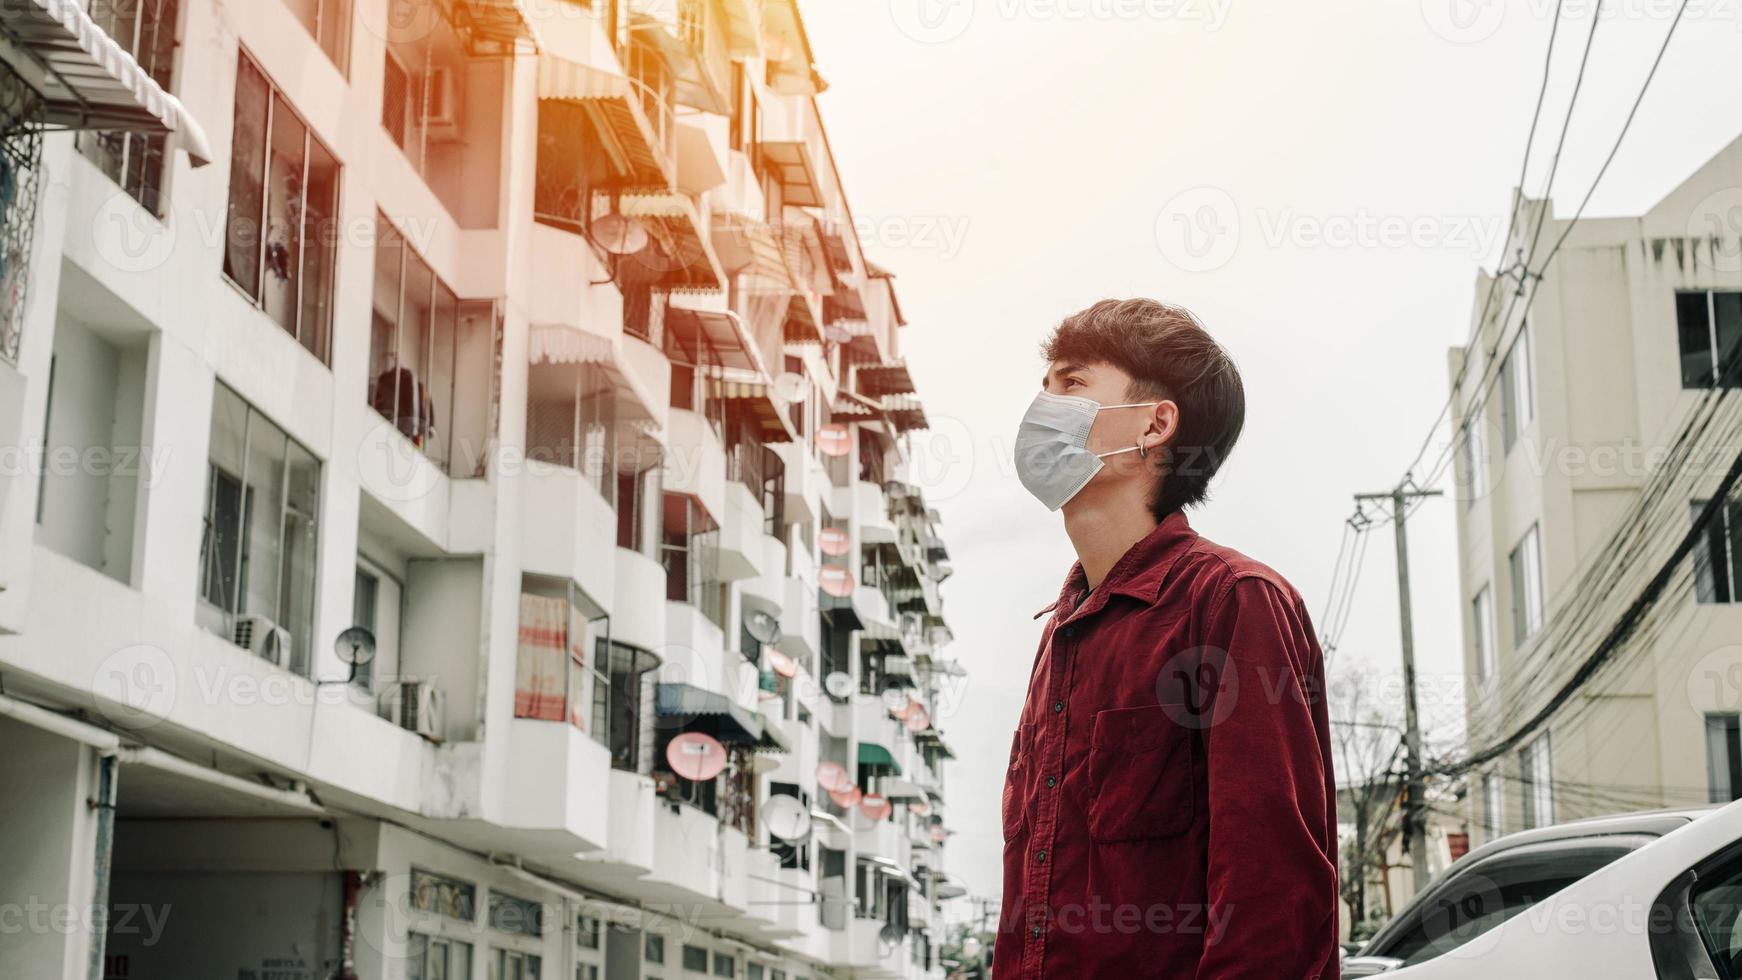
(1272, 871)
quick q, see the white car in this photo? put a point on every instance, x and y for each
(1670, 909)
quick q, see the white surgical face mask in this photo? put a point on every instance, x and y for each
(1052, 446)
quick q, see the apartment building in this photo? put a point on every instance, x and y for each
(456, 520)
(1596, 422)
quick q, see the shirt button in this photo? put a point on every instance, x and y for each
(1035, 932)
(1051, 781)
(1058, 706)
(1070, 631)
(1040, 858)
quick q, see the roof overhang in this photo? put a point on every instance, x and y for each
(708, 338)
(88, 81)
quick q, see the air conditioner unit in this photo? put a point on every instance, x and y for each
(443, 114)
(416, 706)
(263, 638)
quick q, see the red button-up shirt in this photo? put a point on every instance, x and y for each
(1169, 809)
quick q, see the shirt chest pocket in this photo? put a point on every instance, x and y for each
(1015, 786)
(1140, 775)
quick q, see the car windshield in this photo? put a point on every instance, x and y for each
(1487, 893)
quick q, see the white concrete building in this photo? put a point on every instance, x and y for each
(531, 341)
(1597, 419)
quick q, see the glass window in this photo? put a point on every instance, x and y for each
(1525, 564)
(430, 357)
(1537, 783)
(725, 966)
(508, 964)
(261, 529)
(1724, 757)
(518, 916)
(435, 958)
(1482, 634)
(1709, 338)
(1718, 553)
(329, 21)
(1493, 824)
(653, 947)
(281, 235)
(1516, 402)
(1475, 451)
(587, 932)
(695, 959)
(1716, 905)
(147, 31)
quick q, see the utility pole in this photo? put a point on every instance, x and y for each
(1415, 802)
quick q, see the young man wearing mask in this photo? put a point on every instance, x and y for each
(1169, 809)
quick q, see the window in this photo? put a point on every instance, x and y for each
(1537, 783)
(281, 236)
(653, 947)
(257, 549)
(1709, 334)
(725, 966)
(586, 971)
(1482, 634)
(147, 31)
(1526, 572)
(1718, 553)
(618, 710)
(435, 958)
(518, 916)
(689, 550)
(329, 21)
(1724, 757)
(587, 932)
(512, 965)
(431, 357)
(1516, 402)
(365, 595)
(1475, 451)
(431, 892)
(695, 959)
(1492, 801)
(1714, 900)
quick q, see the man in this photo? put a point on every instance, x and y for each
(1169, 809)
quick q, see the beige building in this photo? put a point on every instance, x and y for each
(1596, 418)
(530, 345)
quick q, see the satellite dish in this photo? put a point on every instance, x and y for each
(790, 386)
(847, 798)
(838, 684)
(833, 776)
(834, 440)
(782, 664)
(875, 806)
(891, 934)
(837, 333)
(836, 580)
(919, 808)
(896, 700)
(619, 234)
(786, 818)
(919, 721)
(833, 541)
(939, 834)
(762, 626)
(355, 646)
(971, 946)
(695, 756)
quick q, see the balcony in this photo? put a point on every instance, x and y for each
(743, 554)
(800, 633)
(638, 614)
(794, 148)
(806, 482)
(695, 462)
(871, 511)
(555, 772)
(565, 526)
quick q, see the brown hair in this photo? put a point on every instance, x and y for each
(1170, 356)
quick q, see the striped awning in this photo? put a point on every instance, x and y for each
(88, 81)
(709, 712)
(765, 405)
(878, 380)
(749, 248)
(644, 159)
(497, 25)
(561, 343)
(906, 412)
(707, 338)
(682, 257)
(877, 756)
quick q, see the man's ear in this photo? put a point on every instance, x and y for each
(1162, 428)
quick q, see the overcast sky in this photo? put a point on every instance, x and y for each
(1318, 182)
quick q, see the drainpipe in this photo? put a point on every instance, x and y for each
(107, 766)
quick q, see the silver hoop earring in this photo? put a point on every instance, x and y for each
(1142, 452)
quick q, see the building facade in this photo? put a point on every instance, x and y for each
(456, 521)
(1596, 423)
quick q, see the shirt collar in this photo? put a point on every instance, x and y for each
(1139, 572)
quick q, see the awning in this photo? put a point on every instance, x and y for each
(853, 406)
(898, 666)
(88, 81)
(835, 246)
(801, 325)
(906, 412)
(759, 398)
(643, 159)
(561, 343)
(681, 256)
(878, 380)
(494, 25)
(842, 615)
(743, 27)
(900, 789)
(691, 84)
(705, 338)
(872, 754)
(845, 303)
(750, 248)
(708, 712)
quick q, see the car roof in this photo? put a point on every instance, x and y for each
(1653, 822)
